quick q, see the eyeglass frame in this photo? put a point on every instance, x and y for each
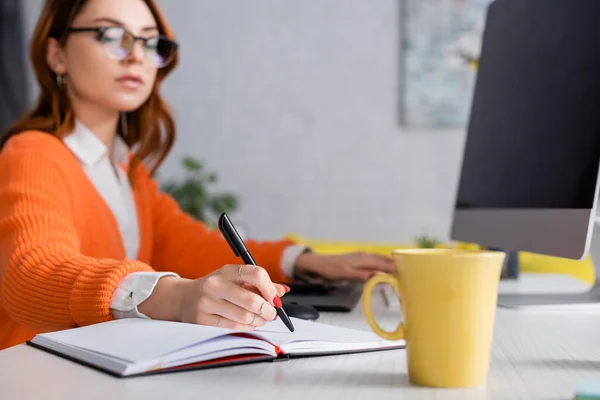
(100, 30)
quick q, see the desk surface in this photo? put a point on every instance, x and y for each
(534, 356)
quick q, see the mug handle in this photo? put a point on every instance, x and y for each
(367, 289)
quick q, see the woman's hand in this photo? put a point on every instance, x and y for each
(232, 297)
(352, 266)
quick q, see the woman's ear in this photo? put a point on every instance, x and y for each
(55, 57)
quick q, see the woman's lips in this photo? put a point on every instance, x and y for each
(131, 81)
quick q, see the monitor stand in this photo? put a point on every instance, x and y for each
(587, 299)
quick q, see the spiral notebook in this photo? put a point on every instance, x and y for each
(133, 347)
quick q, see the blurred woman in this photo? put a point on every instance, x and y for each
(85, 233)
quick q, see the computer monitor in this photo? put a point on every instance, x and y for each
(529, 175)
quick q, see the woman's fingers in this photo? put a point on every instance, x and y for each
(376, 261)
(257, 277)
(223, 314)
(234, 297)
(223, 322)
(238, 314)
(389, 265)
(282, 289)
(250, 301)
(225, 285)
(359, 274)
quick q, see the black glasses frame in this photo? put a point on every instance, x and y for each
(101, 32)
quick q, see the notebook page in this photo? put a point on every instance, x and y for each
(311, 335)
(135, 339)
(236, 344)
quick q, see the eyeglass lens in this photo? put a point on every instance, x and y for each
(119, 44)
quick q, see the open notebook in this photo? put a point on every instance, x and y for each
(129, 347)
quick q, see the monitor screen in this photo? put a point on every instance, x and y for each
(533, 140)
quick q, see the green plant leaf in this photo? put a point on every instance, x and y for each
(426, 242)
(193, 196)
(192, 164)
(224, 203)
(168, 187)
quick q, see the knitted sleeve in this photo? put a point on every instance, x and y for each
(188, 247)
(47, 284)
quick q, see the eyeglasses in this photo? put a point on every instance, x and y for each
(118, 44)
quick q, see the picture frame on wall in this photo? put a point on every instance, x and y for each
(440, 43)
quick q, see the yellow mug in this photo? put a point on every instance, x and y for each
(448, 299)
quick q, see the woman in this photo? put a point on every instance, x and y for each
(85, 234)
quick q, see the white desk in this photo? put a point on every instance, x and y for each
(542, 283)
(534, 356)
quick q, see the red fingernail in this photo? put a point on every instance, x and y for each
(277, 302)
(286, 288)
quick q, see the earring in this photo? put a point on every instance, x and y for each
(61, 80)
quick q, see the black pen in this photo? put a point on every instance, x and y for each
(240, 250)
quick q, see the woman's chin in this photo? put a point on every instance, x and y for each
(126, 106)
(129, 109)
(127, 103)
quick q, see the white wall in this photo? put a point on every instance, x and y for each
(294, 103)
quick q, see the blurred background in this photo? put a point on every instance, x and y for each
(334, 120)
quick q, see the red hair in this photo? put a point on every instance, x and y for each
(150, 128)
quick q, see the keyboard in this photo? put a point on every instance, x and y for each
(305, 288)
(338, 297)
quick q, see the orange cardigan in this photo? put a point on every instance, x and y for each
(61, 253)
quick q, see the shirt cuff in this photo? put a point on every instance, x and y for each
(289, 257)
(131, 291)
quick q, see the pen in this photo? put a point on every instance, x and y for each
(240, 250)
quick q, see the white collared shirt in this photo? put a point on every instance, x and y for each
(110, 180)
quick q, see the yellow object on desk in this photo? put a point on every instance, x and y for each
(448, 309)
(529, 262)
(583, 270)
(539, 263)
